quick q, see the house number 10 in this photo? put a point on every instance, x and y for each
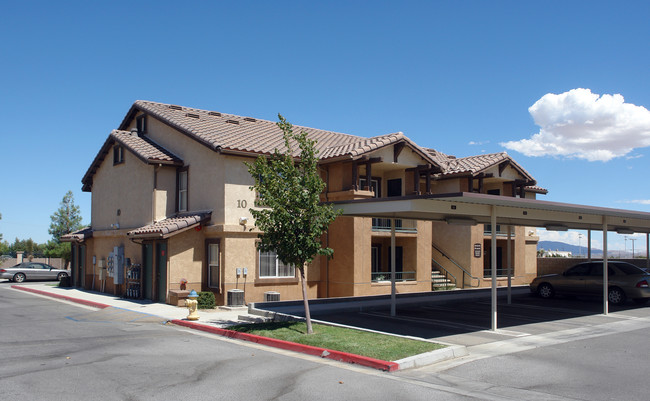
(241, 203)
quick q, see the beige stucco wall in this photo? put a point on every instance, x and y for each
(127, 187)
(205, 169)
(101, 245)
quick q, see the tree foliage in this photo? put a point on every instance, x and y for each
(66, 219)
(292, 220)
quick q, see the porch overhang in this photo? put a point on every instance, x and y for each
(170, 226)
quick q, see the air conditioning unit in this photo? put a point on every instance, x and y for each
(271, 296)
(235, 298)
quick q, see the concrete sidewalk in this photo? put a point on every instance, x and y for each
(219, 317)
(217, 321)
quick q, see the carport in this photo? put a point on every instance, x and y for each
(468, 208)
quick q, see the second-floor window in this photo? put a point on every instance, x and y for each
(374, 186)
(182, 190)
(118, 154)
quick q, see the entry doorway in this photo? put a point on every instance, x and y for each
(154, 274)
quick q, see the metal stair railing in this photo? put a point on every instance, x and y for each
(444, 271)
(462, 269)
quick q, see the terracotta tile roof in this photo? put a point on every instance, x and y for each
(77, 236)
(536, 189)
(171, 225)
(228, 132)
(474, 164)
(146, 149)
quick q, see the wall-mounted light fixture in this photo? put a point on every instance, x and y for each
(556, 227)
(461, 221)
(243, 220)
(623, 230)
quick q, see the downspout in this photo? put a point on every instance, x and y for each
(327, 236)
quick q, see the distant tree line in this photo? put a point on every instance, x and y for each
(66, 219)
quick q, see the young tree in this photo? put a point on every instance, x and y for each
(66, 219)
(292, 220)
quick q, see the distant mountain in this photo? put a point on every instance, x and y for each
(564, 247)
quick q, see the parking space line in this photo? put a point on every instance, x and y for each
(436, 322)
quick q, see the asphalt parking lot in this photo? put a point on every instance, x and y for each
(468, 322)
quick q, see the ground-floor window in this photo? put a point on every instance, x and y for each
(213, 264)
(272, 267)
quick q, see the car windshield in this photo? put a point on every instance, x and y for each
(629, 269)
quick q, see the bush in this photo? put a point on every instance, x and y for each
(206, 300)
(65, 282)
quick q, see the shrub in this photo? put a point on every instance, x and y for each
(65, 282)
(206, 300)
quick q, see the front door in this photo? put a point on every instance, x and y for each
(161, 272)
(147, 270)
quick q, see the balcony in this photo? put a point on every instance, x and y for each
(487, 230)
(399, 276)
(401, 225)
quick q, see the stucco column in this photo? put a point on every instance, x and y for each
(19, 257)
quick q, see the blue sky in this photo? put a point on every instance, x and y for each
(457, 76)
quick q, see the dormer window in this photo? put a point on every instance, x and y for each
(118, 154)
(141, 124)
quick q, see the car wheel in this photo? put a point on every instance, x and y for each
(61, 276)
(641, 301)
(545, 290)
(19, 277)
(616, 296)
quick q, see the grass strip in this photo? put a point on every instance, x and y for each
(373, 345)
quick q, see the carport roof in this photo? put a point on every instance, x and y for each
(474, 207)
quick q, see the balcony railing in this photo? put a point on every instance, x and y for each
(401, 225)
(399, 276)
(487, 230)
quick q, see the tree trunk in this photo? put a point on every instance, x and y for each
(305, 300)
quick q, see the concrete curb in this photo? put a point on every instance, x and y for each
(429, 358)
(305, 349)
(66, 298)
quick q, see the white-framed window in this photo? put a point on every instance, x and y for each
(213, 264)
(272, 267)
(182, 190)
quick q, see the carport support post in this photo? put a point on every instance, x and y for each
(493, 256)
(647, 250)
(605, 268)
(509, 259)
(589, 245)
(393, 300)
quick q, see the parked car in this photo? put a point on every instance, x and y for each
(624, 281)
(33, 271)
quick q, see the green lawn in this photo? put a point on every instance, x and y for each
(379, 346)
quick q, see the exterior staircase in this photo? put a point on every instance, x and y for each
(441, 283)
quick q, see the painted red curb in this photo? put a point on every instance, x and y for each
(305, 349)
(71, 299)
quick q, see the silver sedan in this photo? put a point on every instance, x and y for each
(33, 271)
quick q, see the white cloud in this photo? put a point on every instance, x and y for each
(639, 201)
(478, 143)
(585, 125)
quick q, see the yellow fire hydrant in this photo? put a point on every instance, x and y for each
(192, 304)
